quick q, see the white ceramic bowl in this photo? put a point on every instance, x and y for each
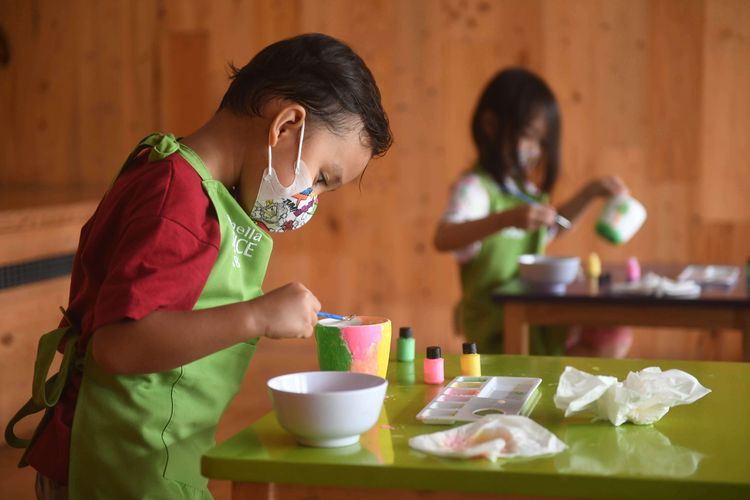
(551, 274)
(327, 409)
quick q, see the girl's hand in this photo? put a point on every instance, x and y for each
(532, 217)
(287, 312)
(609, 185)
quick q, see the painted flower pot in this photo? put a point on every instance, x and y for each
(360, 345)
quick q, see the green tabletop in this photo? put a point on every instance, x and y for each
(697, 450)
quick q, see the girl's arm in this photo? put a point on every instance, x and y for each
(605, 186)
(454, 236)
(164, 340)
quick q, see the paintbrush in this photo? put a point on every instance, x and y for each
(559, 219)
(336, 316)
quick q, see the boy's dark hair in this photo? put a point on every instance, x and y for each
(515, 97)
(322, 74)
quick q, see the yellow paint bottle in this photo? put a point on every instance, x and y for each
(470, 365)
(593, 271)
(593, 266)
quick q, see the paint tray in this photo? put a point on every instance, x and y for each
(466, 399)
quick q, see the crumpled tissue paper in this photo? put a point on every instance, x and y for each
(643, 398)
(659, 286)
(491, 437)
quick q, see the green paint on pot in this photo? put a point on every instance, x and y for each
(608, 233)
(333, 353)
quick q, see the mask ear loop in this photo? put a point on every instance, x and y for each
(299, 149)
(270, 168)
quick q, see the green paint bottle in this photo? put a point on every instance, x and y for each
(405, 345)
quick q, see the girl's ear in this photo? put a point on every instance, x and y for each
(287, 119)
(488, 119)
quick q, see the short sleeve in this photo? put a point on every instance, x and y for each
(469, 201)
(157, 264)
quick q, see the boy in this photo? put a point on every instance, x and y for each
(165, 303)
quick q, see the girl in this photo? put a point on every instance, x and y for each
(488, 225)
(165, 301)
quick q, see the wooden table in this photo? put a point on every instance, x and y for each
(590, 305)
(694, 451)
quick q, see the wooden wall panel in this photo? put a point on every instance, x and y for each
(655, 91)
(725, 128)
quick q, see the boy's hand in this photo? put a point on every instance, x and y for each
(532, 217)
(287, 312)
(609, 185)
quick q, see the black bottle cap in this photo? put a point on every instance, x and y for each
(433, 352)
(605, 279)
(469, 348)
(405, 332)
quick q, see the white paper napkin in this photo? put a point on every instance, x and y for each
(643, 398)
(491, 437)
(659, 286)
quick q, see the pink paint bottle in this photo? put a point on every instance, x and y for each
(633, 270)
(433, 366)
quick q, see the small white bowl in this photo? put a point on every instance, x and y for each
(327, 409)
(549, 274)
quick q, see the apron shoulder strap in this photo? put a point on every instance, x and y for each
(163, 145)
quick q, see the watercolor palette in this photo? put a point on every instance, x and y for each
(466, 399)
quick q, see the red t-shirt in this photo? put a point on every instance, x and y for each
(150, 245)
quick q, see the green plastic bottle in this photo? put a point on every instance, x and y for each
(405, 345)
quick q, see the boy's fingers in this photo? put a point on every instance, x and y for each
(306, 333)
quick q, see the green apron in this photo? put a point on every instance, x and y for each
(142, 436)
(495, 264)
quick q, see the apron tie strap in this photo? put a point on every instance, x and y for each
(45, 393)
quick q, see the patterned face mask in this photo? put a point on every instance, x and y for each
(278, 208)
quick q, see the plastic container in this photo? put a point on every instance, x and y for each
(434, 371)
(633, 270)
(621, 217)
(470, 361)
(593, 266)
(405, 346)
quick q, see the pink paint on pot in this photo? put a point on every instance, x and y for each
(363, 343)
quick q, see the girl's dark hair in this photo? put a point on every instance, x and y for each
(320, 73)
(515, 97)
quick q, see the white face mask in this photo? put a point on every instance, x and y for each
(528, 158)
(280, 208)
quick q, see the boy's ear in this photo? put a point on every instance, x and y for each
(285, 119)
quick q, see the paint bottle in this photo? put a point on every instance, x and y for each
(434, 366)
(405, 345)
(593, 266)
(593, 271)
(470, 366)
(633, 270)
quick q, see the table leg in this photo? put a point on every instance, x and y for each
(516, 334)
